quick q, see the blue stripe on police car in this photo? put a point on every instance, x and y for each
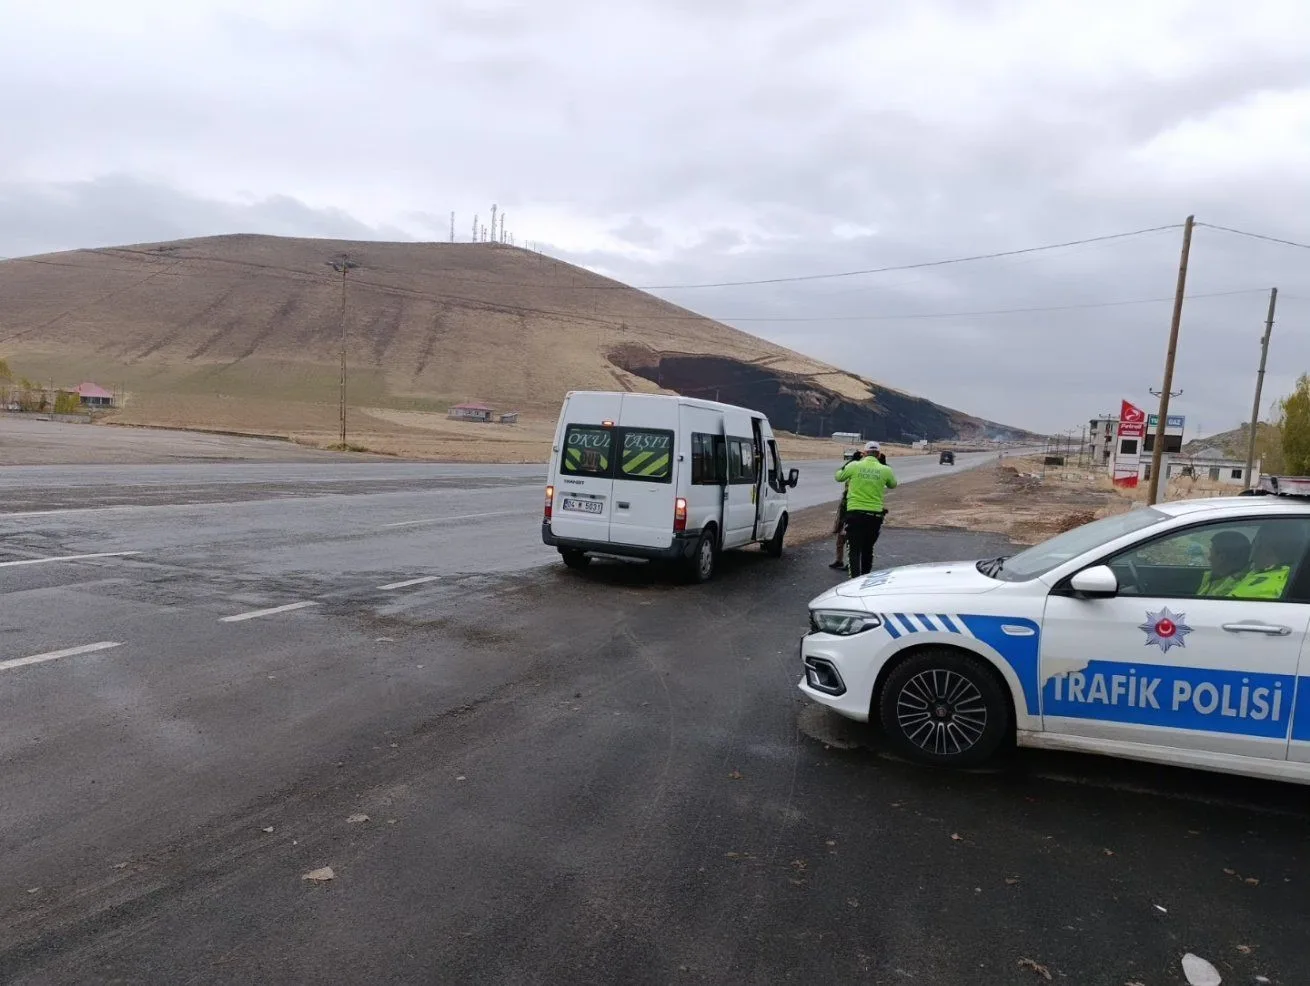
(1240, 702)
(1015, 639)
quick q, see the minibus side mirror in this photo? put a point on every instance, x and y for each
(793, 478)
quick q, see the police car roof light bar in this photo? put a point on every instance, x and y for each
(1283, 486)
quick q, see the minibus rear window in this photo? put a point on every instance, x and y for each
(647, 455)
(588, 451)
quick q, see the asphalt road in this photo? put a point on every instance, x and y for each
(310, 527)
(568, 778)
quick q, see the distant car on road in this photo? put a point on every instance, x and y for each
(1117, 637)
(850, 453)
(946, 459)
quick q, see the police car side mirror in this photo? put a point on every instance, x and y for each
(793, 478)
(1098, 582)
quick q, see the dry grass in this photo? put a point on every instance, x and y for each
(1182, 488)
(1012, 498)
(1018, 498)
(242, 333)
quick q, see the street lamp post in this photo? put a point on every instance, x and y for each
(343, 264)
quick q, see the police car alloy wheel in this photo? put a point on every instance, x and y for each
(941, 706)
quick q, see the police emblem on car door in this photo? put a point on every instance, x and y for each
(1198, 649)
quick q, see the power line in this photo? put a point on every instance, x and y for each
(917, 266)
(974, 314)
(619, 286)
(1256, 236)
(613, 318)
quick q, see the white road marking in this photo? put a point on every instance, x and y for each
(408, 582)
(55, 655)
(443, 520)
(42, 561)
(257, 613)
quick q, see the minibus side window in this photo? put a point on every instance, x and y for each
(707, 460)
(775, 468)
(742, 467)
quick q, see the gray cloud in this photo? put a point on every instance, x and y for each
(665, 142)
(47, 217)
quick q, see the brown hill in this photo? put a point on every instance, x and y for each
(243, 333)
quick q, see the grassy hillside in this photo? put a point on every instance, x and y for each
(243, 333)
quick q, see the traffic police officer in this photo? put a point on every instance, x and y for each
(1271, 559)
(866, 481)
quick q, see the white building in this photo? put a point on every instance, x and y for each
(1211, 465)
(1100, 439)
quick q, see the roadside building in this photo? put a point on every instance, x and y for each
(1212, 465)
(93, 395)
(471, 412)
(1125, 445)
(1101, 432)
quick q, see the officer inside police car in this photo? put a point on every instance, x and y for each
(1272, 556)
(1230, 560)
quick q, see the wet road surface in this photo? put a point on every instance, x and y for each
(595, 777)
(280, 530)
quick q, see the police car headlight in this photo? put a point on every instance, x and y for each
(842, 623)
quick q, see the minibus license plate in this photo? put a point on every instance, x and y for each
(584, 506)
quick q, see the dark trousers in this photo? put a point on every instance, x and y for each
(862, 530)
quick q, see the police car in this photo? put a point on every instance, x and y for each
(1174, 634)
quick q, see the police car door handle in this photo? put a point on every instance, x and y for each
(1275, 631)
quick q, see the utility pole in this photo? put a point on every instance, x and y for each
(1259, 386)
(344, 264)
(452, 227)
(1157, 453)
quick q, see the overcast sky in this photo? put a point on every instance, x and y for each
(675, 142)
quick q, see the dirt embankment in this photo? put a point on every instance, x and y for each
(1015, 498)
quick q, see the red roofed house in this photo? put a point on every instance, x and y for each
(92, 395)
(470, 412)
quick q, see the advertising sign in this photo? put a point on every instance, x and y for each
(1132, 426)
(1175, 421)
(1132, 421)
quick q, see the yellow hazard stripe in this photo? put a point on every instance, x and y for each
(632, 461)
(643, 465)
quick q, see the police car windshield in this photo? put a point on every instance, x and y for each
(1041, 558)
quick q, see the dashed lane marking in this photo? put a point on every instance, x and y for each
(42, 561)
(257, 613)
(408, 582)
(54, 655)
